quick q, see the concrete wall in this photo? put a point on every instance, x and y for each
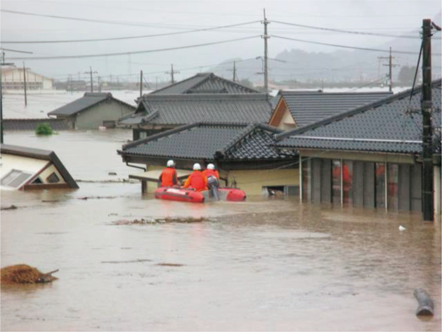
(106, 111)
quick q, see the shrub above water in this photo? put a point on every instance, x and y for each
(44, 129)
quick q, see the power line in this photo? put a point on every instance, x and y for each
(347, 31)
(127, 37)
(349, 47)
(63, 57)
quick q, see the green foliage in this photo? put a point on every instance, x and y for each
(44, 129)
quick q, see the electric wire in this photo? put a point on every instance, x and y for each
(346, 31)
(125, 38)
(82, 56)
(349, 47)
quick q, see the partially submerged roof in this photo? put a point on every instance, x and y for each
(207, 141)
(39, 154)
(205, 83)
(186, 109)
(310, 106)
(87, 101)
(392, 125)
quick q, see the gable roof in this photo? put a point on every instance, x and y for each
(186, 109)
(41, 155)
(204, 83)
(310, 106)
(390, 125)
(87, 101)
(210, 141)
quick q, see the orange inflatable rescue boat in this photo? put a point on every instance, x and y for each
(192, 196)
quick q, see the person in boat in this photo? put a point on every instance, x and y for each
(212, 176)
(168, 177)
(197, 180)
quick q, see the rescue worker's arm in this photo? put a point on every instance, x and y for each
(160, 179)
(187, 183)
(205, 182)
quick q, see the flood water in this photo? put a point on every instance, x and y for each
(263, 264)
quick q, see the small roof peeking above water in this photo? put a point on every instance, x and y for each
(87, 101)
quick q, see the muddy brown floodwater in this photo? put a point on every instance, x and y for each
(257, 265)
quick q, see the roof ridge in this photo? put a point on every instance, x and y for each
(358, 110)
(175, 84)
(160, 135)
(221, 153)
(193, 96)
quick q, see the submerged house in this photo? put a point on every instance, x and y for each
(27, 168)
(157, 112)
(369, 156)
(295, 109)
(244, 154)
(93, 110)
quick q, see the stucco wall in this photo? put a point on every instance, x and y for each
(105, 111)
(252, 182)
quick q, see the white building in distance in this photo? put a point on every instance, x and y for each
(13, 79)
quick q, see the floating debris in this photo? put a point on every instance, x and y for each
(124, 262)
(25, 274)
(112, 173)
(96, 197)
(150, 221)
(12, 207)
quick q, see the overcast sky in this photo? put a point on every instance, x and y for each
(135, 18)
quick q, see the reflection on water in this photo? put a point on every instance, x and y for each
(255, 265)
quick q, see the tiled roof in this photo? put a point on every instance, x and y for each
(31, 124)
(310, 106)
(186, 109)
(85, 102)
(210, 141)
(391, 125)
(204, 83)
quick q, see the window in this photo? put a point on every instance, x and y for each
(15, 178)
(37, 181)
(347, 181)
(380, 185)
(53, 178)
(392, 176)
(336, 181)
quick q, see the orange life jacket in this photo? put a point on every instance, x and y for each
(168, 177)
(211, 172)
(196, 180)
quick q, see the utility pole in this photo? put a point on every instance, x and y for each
(390, 69)
(24, 84)
(265, 37)
(141, 83)
(427, 132)
(172, 72)
(90, 72)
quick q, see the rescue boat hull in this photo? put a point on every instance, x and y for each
(191, 196)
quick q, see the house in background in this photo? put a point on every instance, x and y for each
(27, 168)
(369, 156)
(204, 83)
(244, 154)
(13, 78)
(296, 109)
(157, 112)
(93, 110)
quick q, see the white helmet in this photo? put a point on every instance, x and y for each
(170, 163)
(211, 166)
(197, 167)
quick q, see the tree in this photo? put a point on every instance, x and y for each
(44, 129)
(406, 75)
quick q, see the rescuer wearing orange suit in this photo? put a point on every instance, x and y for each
(210, 171)
(196, 180)
(168, 177)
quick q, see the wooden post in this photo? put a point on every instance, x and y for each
(143, 187)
